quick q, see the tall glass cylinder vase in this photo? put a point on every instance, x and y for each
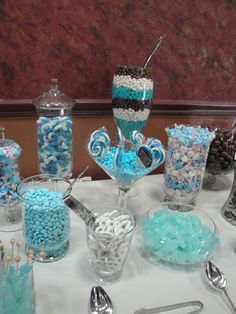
(186, 161)
(132, 93)
(229, 208)
(54, 126)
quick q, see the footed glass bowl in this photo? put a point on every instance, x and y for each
(177, 233)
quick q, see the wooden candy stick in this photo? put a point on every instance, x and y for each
(42, 254)
(7, 262)
(12, 241)
(17, 261)
(30, 252)
(18, 248)
(30, 258)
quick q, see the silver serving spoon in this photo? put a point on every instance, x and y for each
(172, 307)
(100, 302)
(79, 176)
(217, 280)
(153, 50)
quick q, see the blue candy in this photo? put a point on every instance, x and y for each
(46, 221)
(177, 237)
(55, 138)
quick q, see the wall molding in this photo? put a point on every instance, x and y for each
(24, 107)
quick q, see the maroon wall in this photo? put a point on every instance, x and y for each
(81, 42)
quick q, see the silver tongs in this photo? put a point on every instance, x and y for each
(197, 304)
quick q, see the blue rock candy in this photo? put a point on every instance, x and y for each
(177, 237)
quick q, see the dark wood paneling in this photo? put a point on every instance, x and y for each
(24, 107)
(23, 130)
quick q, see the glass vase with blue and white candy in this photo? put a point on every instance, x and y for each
(10, 208)
(132, 93)
(125, 164)
(186, 161)
(54, 125)
(46, 220)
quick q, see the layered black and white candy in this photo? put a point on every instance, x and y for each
(132, 92)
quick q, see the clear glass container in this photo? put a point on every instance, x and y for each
(125, 163)
(220, 160)
(132, 93)
(108, 247)
(16, 284)
(46, 219)
(177, 233)
(228, 210)
(10, 209)
(186, 161)
(54, 127)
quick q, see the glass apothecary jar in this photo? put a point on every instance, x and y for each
(54, 128)
(46, 220)
(10, 209)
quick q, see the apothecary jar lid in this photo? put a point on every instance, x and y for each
(9, 149)
(54, 98)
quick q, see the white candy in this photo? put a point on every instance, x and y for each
(196, 156)
(130, 114)
(133, 83)
(184, 158)
(109, 243)
(176, 156)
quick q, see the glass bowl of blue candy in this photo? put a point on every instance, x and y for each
(177, 233)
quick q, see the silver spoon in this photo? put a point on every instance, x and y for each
(100, 302)
(79, 176)
(153, 50)
(171, 307)
(217, 280)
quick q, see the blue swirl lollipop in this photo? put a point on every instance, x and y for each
(137, 138)
(119, 150)
(151, 153)
(99, 142)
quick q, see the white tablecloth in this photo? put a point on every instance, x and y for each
(63, 287)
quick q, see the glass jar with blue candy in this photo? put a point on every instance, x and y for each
(10, 210)
(46, 219)
(54, 128)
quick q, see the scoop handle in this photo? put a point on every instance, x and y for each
(230, 301)
(80, 210)
(172, 307)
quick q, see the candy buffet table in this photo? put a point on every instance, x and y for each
(63, 287)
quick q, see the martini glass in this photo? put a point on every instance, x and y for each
(125, 163)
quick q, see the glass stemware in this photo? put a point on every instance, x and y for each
(132, 92)
(123, 162)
